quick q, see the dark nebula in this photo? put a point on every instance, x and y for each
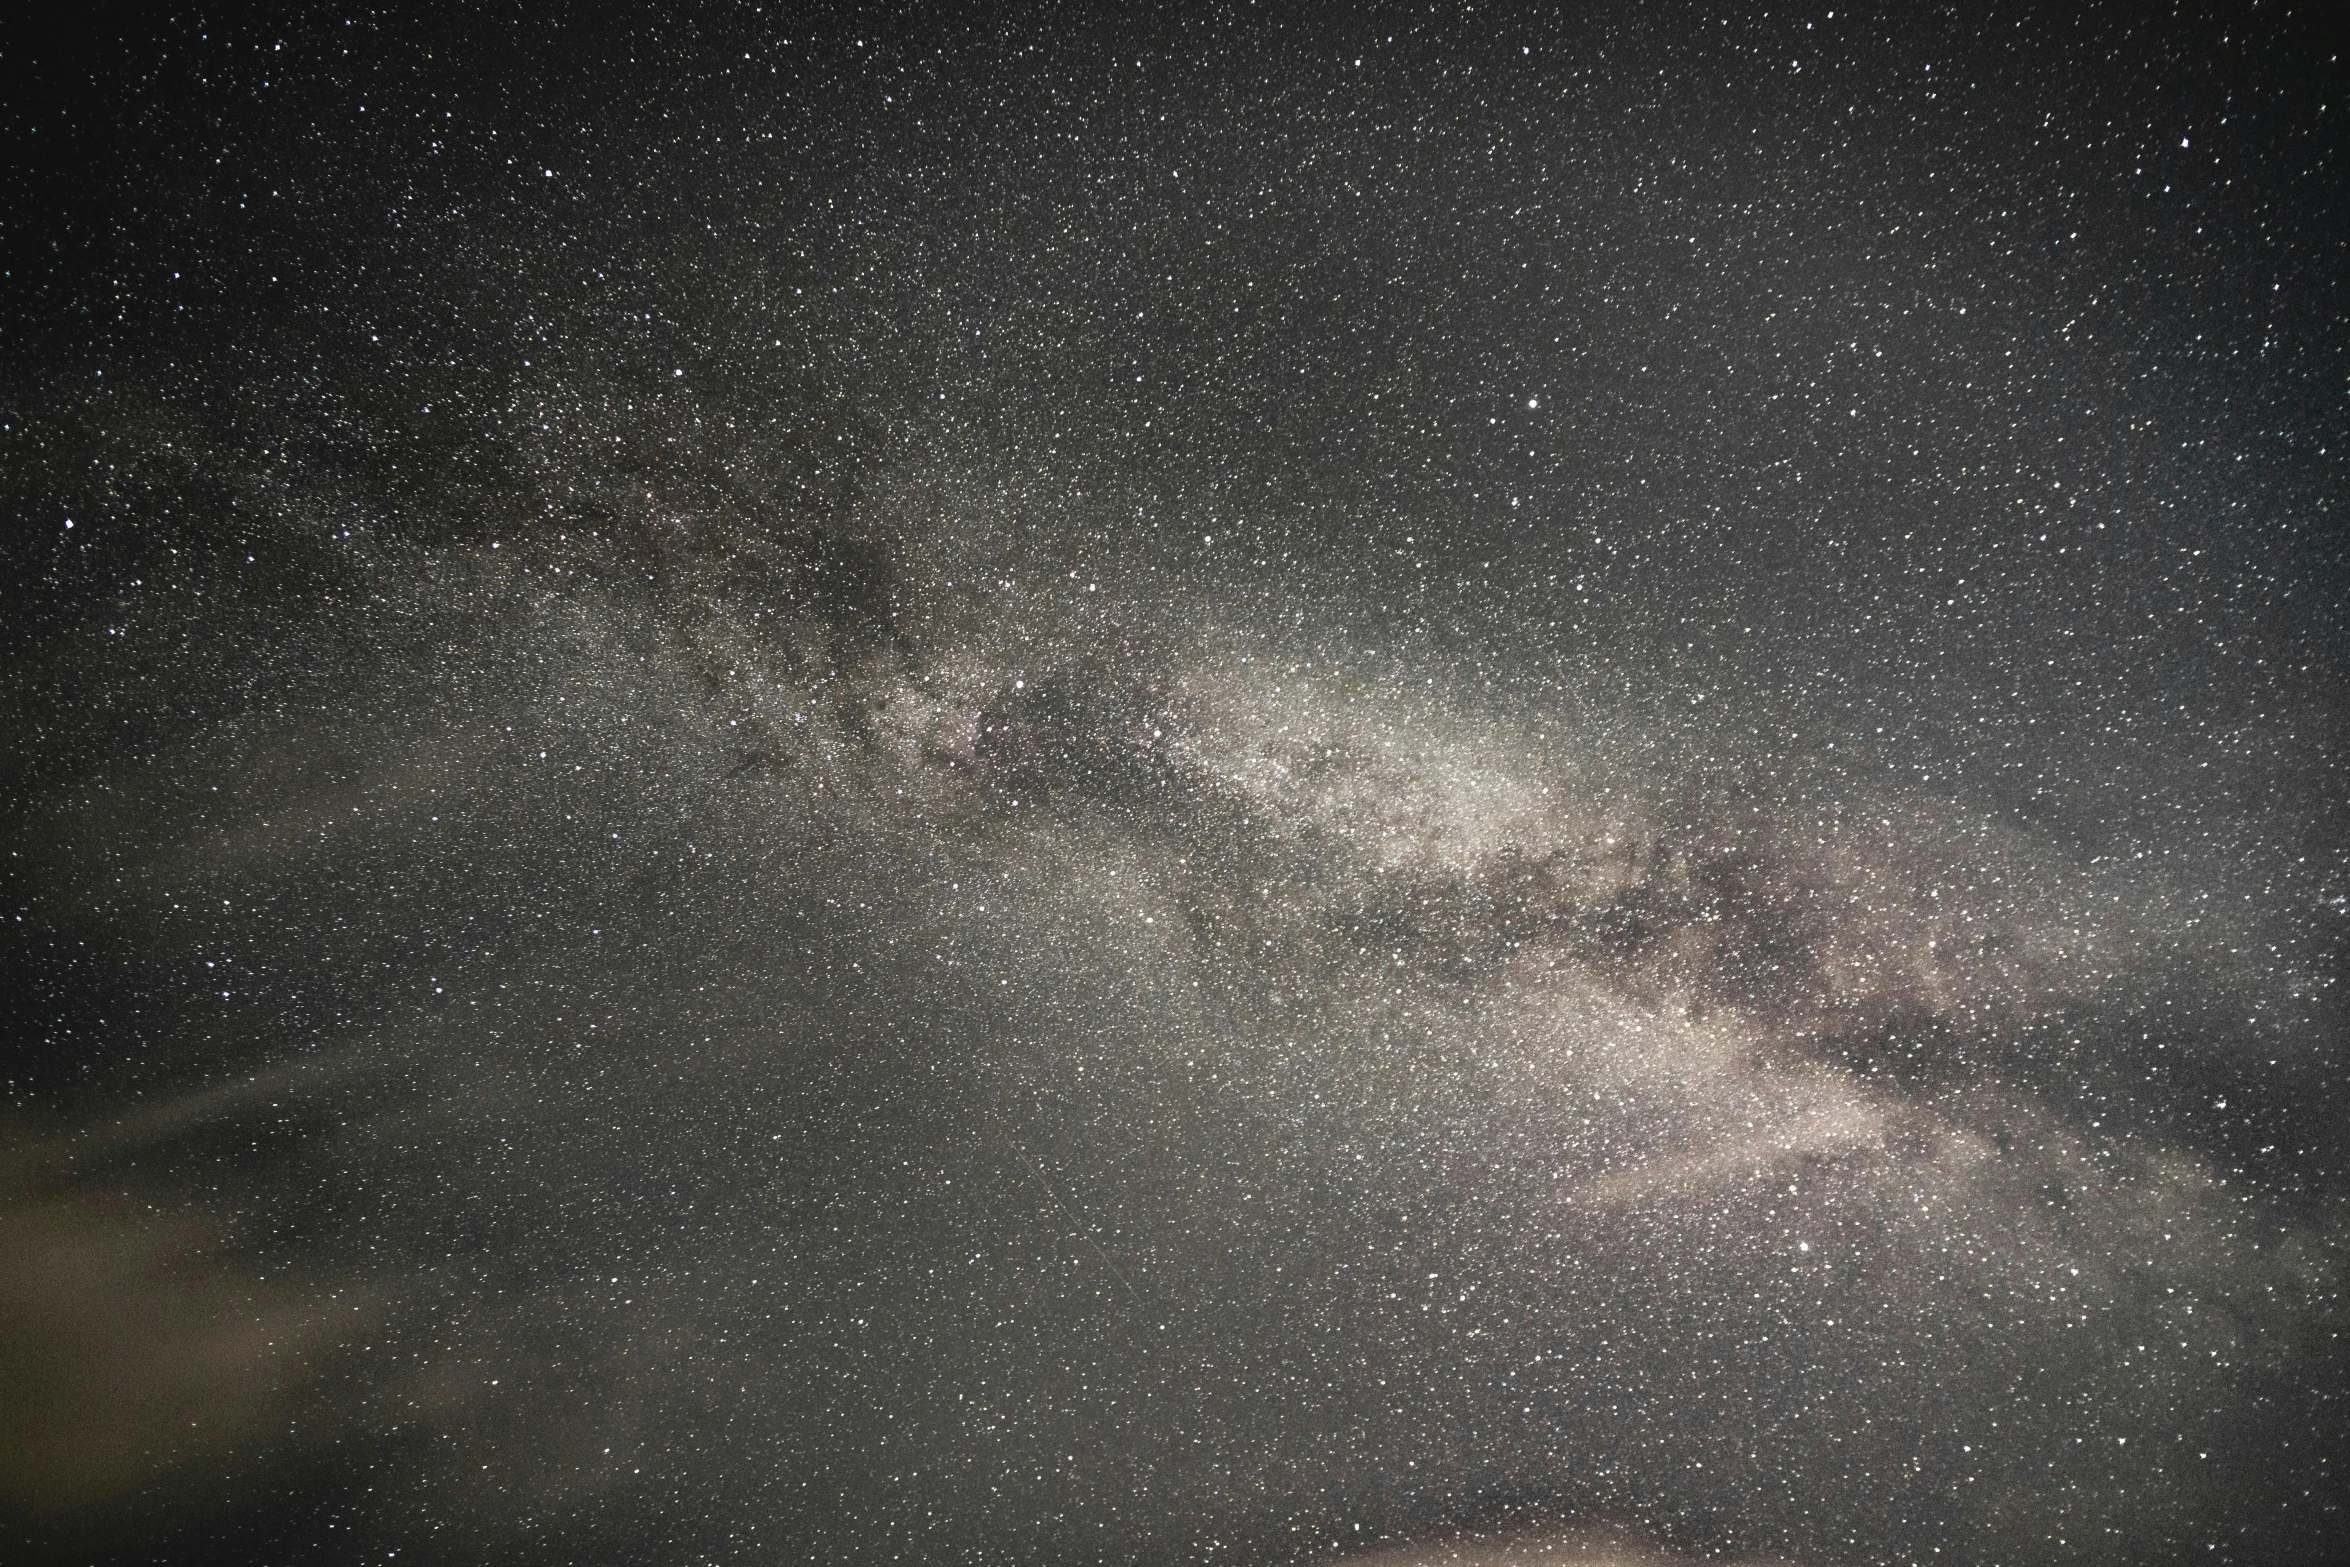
(1444, 784)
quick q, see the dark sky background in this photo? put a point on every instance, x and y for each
(1228, 784)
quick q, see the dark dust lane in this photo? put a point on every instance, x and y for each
(1438, 787)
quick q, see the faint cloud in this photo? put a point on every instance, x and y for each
(129, 1343)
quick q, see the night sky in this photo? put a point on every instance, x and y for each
(1143, 785)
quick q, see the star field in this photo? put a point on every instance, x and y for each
(1445, 784)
